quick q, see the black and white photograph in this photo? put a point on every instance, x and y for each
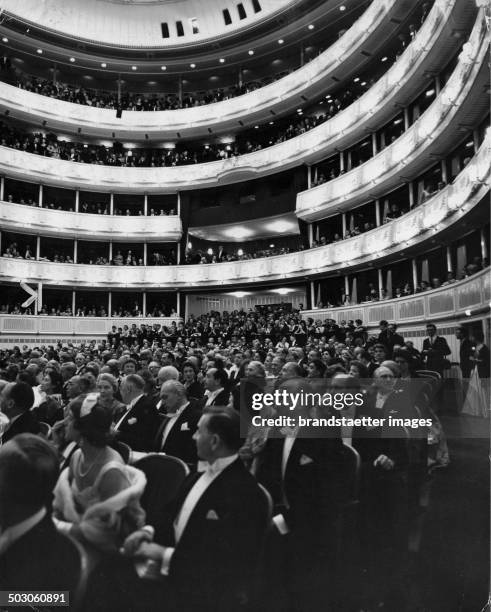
(245, 305)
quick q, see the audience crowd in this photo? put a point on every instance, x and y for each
(93, 424)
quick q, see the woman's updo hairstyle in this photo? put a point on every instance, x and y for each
(92, 420)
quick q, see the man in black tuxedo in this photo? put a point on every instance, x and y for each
(389, 337)
(175, 436)
(34, 556)
(216, 383)
(209, 544)
(16, 401)
(435, 350)
(139, 425)
(300, 470)
(465, 351)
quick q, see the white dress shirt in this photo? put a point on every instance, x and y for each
(204, 481)
(171, 422)
(211, 395)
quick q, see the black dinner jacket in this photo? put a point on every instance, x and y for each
(25, 423)
(219, 547)
(139, 425)
(41, 560)
(222, 399)
(310, 483)
(434, 360)
(179, 442)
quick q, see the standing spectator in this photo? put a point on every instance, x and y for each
(435, 350)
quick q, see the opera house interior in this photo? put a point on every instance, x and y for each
(287, 200)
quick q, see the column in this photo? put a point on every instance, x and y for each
(144, 304)
(443, 165)
(119, 88)
(77, 201)
(311, 233)
(178, 252)
(374, 143)
(348, 159)
(0, 243)
(2, 188)
(378, 221)
(309, 177)
(75, 251)
(178, 203)
(406, 118)
(38, 303)
(411, 194)
(74, 304)
(179, 89)
(449, 260)
(415, 275)
(302, 55)
(475, 138)
(178, 305)
(38, 247)
(380, 283)
(111, 203)
(240, 77)
(145, 254)
(341, 161)
(312, 295)
(110, 252)
(110, 304)
(343, 219)
(145, 205)
(346, 285)
(40, 196)
(484, 248)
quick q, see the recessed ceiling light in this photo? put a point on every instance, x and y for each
(384, 59)
(256, 127)
(356, 79)
(5, 39)
(103, 65)
(299, 110)
(163, 67)
(251, 52)
(271, 123)
(222, 60)
(72, 59)
(192, 65)
(134, 68)
(363, 83)
(311, 26)
(342, 8)
(281, 41)
(40, 51)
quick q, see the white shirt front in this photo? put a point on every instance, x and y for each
(171, 422)
(129, 407)
(211, 395)
(204, 481)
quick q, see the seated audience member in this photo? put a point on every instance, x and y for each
(138, 426)
(175, 436)
(194, 389)
(97, 496)
(107, 387)
(16, 401)
(215, 527)
(34, 556)
(50, 409)
(216, 382)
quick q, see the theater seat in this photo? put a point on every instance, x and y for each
(165, 474)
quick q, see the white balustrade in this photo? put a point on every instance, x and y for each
(65, 224)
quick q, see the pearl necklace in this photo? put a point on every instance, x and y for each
(79, 466)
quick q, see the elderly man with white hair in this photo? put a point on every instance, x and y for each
(166, 373)
(175, 436)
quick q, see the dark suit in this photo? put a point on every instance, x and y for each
(195, 390)
(139, 425)
(41, 560)
(27, 422)
(217, 552)
(179, 441)
(390, 339)
(465, 352)
(222, 399)
(434, 354)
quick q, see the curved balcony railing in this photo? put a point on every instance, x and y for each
(470, 294)
(460, 101)
(420, 224)
(285, 94)
(72, 326)
(64, 224)
(401, 81)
